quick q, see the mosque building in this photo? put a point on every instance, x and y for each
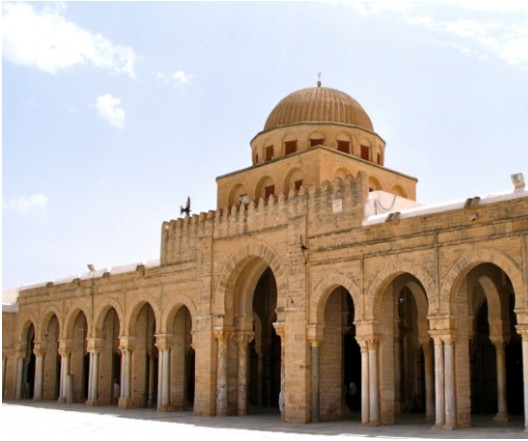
(318, 286)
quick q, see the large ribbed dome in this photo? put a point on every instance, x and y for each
(318, 104)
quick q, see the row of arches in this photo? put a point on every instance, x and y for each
(293, 180)
(400, 351)
(109, 368)
(369, 361)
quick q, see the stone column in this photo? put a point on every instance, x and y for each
(439, 381)
(20, 355)
(397, 374)
(39, 350)
(314, 342)
(502, 413)
(373, 345)
(243, 338)
(126, 346)
(164, 343)
(94, 347)
(450, 389)
(65, 393)
(280, 330)
(223, 335)
(365, 395)
(523, 331)
(429, 379)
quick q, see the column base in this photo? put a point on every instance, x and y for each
(92, 402)
(371, 424)
(61, 400)
(124, 402)
(165, 408)
(450, 427)
(501, 417)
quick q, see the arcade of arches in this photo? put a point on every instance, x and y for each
(321, 300)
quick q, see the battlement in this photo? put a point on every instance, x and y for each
(339, 198)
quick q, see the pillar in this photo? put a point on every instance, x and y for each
(450, 389)
(243, 338)
(126, 346)
(223, 335)
(94, 347)
(65, 393)
(397, 373)
(163, 343)
(315, 343)
(20, 355)
(373, 345)
(502, 404)
(280, 330)
(439, 381)
(39, 350)
(429, 380)
(365, 395)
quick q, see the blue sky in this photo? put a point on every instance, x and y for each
(114, 112)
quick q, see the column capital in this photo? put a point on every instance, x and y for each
(163, 341)
(94, 345)
(40, 348)
(224, 334)
(279, 329)
(126, 343)
(369, 342)
(244, 337)
(65, 347)
(523, 331)
(441, 322)
(315, 334)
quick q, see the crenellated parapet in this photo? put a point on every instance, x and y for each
(341, 200)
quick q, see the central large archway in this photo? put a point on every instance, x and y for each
(250, 373)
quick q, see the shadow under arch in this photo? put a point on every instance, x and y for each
(325, 288)
(467, 262)
(399, 310)
(251, 259)
(388, 274)
(100, 315)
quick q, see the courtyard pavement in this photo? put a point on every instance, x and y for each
(28, 420)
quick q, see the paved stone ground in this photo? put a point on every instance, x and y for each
(28, 420)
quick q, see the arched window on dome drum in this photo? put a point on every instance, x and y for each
(269, 190)
(290, 147)
(365, 152)
(269, 153)
(316, 142)
(343, 146)
(379, 158)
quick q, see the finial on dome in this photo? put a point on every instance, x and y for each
(319, 79)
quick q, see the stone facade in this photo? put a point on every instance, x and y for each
(296, 294)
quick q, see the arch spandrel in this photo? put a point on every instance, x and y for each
(100, 315)
(171, 309)
(324, 289)
(390, 272)
(44, 320)
(233, 268)
(467, 262)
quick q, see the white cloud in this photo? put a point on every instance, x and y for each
(110, 110)
(489, 27)
(506, 41)
(22, 204)
(46, 40)
(177, 79)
